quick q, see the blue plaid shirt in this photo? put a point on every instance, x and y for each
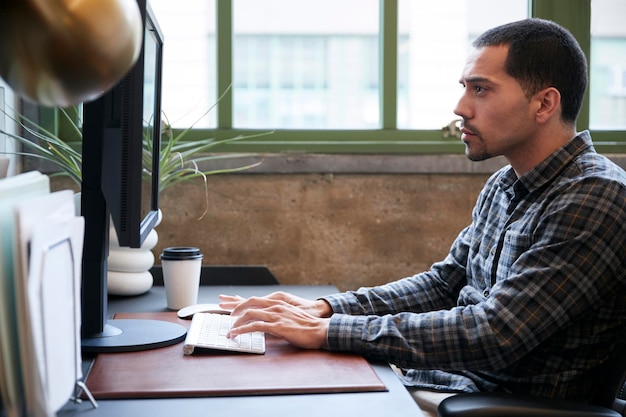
(531, 298)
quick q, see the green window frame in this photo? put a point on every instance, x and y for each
(388, 139)
(573, 14)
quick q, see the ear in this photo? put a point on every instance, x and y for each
(548, 104)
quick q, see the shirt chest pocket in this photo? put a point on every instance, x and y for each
(514, 244)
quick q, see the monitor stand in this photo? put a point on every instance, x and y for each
(133, 335)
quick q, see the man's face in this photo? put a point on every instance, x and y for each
(497, 115)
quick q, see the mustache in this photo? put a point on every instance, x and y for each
(468, 127)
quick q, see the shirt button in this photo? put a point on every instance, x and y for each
(486, 293)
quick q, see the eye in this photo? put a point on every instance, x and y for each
(479, 89)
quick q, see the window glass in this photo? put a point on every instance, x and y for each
(306, 64)
(607, 87)
(189, 70)
(434, 39)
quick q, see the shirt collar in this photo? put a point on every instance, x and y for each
(549, 168)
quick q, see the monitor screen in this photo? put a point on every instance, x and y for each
(120, 129)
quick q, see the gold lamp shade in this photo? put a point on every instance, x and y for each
(63, 52)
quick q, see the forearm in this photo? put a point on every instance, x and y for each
(487, 334)
(421, 341)
(435, 289)
(423, 292)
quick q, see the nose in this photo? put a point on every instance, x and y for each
(462, 108)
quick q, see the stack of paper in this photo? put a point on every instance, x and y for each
(12, 190)
(40, 260)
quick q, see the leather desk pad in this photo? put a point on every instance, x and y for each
(283, 369)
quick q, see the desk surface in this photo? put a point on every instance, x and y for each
(395, 402)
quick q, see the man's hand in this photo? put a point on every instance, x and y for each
(317, 308)
(301, 322)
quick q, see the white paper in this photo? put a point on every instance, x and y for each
(12, 191)
(48, 258)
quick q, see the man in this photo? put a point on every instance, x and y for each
(532, 296)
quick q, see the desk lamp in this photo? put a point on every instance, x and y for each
(63, 52)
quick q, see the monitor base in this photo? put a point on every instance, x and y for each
(133, 335)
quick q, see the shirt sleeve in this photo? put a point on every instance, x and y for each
(574, 262)
(372, 320)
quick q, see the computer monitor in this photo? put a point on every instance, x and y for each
(114, 127)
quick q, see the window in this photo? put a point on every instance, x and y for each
(434, 39)
(189, 82)
(607, 89)
(355, 75)
(617, 83)
(298, 66)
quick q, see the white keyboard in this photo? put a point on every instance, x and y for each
(209, 330)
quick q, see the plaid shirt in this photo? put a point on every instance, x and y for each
(530, 299)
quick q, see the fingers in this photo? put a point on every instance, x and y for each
(284, 321)
(282, 296)
(237, 305)
(255, 303)
(230, 298)
(288, 298)
(235, 300)
(230, 302)
(253, 320)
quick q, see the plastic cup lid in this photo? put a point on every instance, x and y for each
(176, 253)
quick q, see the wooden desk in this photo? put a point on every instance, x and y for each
(395, 402)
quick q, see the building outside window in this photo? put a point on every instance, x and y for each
(607, 89)
(316, 64)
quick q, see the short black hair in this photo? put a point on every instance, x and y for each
(542, 54)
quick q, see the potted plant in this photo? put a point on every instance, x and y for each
(179, 161)
(64, 154)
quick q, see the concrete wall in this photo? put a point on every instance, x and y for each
(349, 229)
(346, 220)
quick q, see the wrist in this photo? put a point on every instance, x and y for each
(324, 310)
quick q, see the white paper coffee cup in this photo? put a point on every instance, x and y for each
(181, 275)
